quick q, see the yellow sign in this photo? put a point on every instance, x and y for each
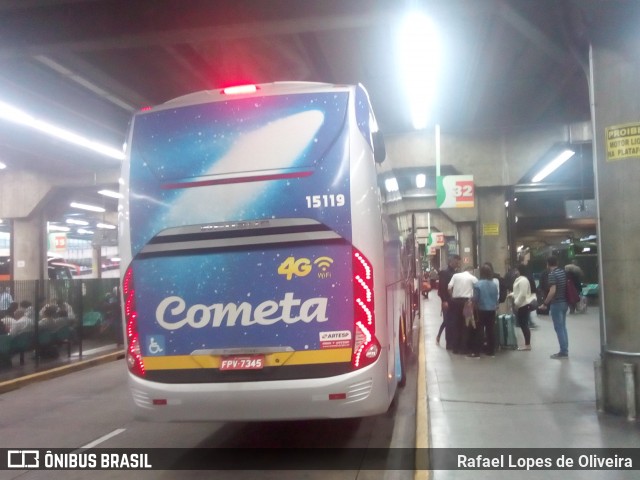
(623, 141)
(490, 229)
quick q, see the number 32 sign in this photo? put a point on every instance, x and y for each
(455, 191)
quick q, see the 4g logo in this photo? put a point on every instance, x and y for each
(301, 267)
(290, 267)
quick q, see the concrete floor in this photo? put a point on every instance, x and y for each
(521, 399)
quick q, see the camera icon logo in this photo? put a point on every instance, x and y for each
(23, 459)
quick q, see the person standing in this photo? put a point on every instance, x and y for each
(485, 296)
(5, 299)
(433, 278)
(556, 302)
(497, 279)
(522, 298)
(444, 277)
(461, 291)
(524, 271)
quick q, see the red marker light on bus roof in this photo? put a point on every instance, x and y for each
(240, 89)
(146, 109)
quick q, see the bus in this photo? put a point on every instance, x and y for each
(261, 279)
(57, 268)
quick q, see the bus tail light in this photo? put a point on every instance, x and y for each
(366, 347)
(134, 350)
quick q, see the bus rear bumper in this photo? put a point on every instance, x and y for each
(355, 394)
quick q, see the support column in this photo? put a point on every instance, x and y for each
(96, 261)
(22, 194)
(467, 244)
(614, 73)
(493, 242)
(29, 250)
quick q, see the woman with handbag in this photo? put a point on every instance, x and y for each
(523, 303)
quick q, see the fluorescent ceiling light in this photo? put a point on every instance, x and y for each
(90, 208)
(16, 115)
(553, 165)
(419, 56)
(82, 231)
(106, 226)
(110, 193)
(391, 184)
(421, 180)
(73, 221)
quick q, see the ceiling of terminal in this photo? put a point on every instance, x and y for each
(88, 65)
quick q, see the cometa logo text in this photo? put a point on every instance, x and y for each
(172, 313)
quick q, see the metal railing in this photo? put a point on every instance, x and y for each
(44, 320)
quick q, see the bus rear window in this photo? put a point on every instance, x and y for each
(239, 136)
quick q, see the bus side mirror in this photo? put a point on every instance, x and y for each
(379, 150)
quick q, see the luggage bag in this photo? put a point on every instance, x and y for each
(506, 331)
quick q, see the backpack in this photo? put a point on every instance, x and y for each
(573, 297)
(502, 291)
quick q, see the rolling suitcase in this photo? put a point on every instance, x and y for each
(506, 329)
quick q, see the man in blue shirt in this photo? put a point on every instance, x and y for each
(556, 301)
(485, 296)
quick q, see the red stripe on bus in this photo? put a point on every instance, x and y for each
(226, 181)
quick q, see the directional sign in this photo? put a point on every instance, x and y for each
(435, 239)
(455, 191)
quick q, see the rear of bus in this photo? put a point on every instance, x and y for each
(250, 240)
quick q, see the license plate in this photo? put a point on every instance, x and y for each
(242, 362)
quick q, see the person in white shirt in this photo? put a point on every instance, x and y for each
(22, 323)
(522, 298)
(461, 291)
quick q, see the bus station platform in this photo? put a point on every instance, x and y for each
(17, 375)
(519, 399)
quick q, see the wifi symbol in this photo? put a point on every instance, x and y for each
(323, 263)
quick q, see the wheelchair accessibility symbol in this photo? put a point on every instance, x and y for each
(155, 345)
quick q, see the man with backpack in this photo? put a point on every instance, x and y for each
(556, 302)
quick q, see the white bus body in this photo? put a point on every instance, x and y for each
(260, 279)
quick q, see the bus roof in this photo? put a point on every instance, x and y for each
(262, 89)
